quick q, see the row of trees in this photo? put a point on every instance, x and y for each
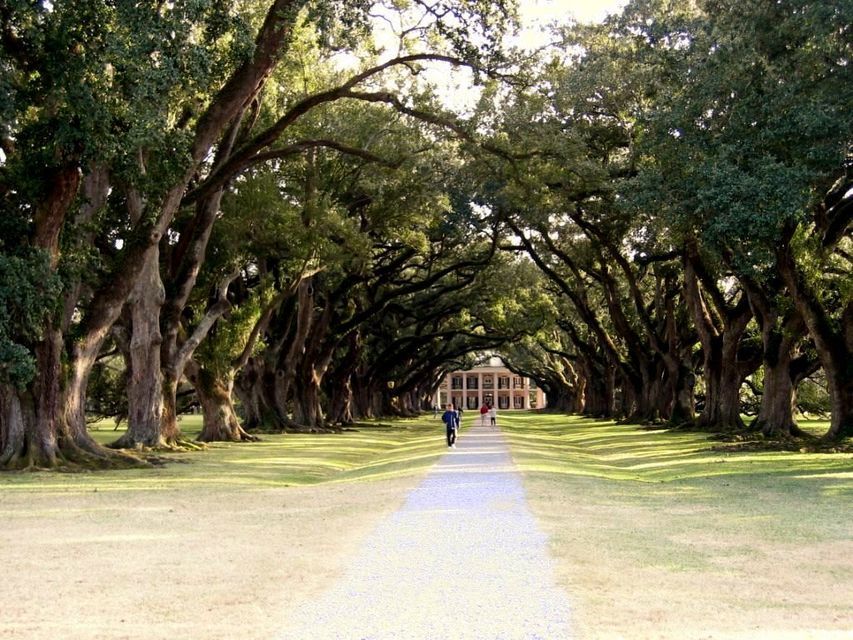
(210, 196)
(196, 189)
(691, 205)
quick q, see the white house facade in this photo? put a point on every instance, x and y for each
(490, 383)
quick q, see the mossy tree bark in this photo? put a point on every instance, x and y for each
(833, 341)
(340, 388)
(145, 385)
(720, 330)
(221, 423)
(55, 425)
(668, 332)
(781, 333)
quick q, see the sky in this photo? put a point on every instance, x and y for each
(543, 11)
(535, 15)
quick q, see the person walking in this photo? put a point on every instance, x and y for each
(493, 416)
(451, 422)
(483, 411)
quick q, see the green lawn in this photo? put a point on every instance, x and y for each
(654, 534)
(586, 447)
(371, 451)
(797, 496)
(658, 536)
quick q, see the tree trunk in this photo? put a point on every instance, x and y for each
(145, 390)
(307, 411)
(653, 398)
(723, 382)
(341, 401)
(647, 396)
(271, 383)
(221, 423)
(833, 342)
(626, 400)
(75, 405)
(841, 400)
(600, 390)
(39, 426)
(339, 387)
(775, 418)
(17, 438)
(31, 418)
(681, 384)
(170, 380)
(720, 337)
(676, 353)
(361, 395)
(247, 387)
(44, 447)
(561, 399)
(264, 393)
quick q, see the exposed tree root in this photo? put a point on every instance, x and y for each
(374, 425)
(286, 425)
(73, 457)
(222, 425)
(178, 445)
(295, 429)
(225, 436)
(803, 442)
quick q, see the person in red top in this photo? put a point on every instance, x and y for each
(484, 410)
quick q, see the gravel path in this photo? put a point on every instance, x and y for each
(462, 559)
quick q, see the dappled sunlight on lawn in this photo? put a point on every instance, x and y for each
(542, 443)
(365, 453)
(672, 529)
(567, 445)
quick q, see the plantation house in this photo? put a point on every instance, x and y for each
(490, 383)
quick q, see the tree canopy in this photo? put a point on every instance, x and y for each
(271, 208)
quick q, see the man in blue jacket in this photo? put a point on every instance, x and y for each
(451, 421)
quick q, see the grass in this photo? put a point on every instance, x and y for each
(690, 542)
(243, 532)
(598, 448)
(655, 535)
(372, 451)
(664, 470)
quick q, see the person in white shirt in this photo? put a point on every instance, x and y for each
(493, 416)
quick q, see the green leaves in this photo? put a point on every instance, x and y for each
(750, 131)
(28, 295)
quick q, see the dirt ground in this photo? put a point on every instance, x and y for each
(195, 564)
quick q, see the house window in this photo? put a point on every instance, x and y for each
(472, 402)
(488, 382)
(503, 402)
(456, 382)
(473, 382)
(517, 382)
(518, 402)
(503, 382)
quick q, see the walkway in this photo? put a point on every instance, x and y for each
(462, 559)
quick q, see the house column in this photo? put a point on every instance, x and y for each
(479, 390)
(525, 385)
